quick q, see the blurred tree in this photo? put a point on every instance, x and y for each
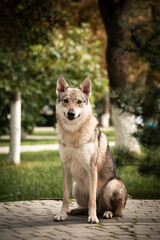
(144, 103)
(34, 72)
(113, 14)
(34, 68)
(77, 59)
(15, 128)
(21, 24)
(106, 111)
(82, 11)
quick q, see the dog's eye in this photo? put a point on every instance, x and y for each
(65, 100)
(79, 101)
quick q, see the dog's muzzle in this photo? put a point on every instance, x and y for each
(71, 114)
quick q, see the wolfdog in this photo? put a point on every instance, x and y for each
(85, 156)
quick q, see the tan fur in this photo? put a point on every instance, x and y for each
(85, 157)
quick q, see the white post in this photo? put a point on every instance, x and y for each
(15, 128)
(106, 115)
(125, 126)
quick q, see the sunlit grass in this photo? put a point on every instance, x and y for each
(30, 142)
(5, 142)
(44, 133)
(140, 186)
(110, 135)
(39, 175)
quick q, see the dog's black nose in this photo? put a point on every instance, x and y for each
(71, 114)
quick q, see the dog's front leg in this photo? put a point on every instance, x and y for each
(92, 218)
(67, 182)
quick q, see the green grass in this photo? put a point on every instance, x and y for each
(40, 176)
(44, 133)
(110, 135)
(138, 186)
(30, 142)
(34, 142)
(3, 142)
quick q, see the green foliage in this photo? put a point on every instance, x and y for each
(144, 104)
(4, 111)
(73, 54)
(24, 22)
(144, 41)
(151, 164)
(145, 38)
(34, 71)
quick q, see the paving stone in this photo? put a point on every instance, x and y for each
(112, 237)
(143, 237)
(39, 238)
(125, 237)
(142, 231)
(154, 237)
(33, 220)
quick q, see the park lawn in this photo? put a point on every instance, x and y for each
(44, 133)
(40, 176)
(110, 135)
(4, 142)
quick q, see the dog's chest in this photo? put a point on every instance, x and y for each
(77, 159)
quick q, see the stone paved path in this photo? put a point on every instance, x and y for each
(39, 147)
(33, 220)
(32, 148)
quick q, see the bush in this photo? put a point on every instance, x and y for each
(72, 52)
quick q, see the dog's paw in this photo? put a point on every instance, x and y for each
(93, 220)
(108, 214)
(60, 217)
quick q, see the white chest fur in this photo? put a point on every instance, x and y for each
(77, 160)
(77, 148)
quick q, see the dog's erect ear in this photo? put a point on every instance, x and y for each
(62, 85)
(86, 86)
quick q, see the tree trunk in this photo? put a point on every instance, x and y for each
(123, 132)
(155, 18)
(15, 128)
(106, 114)
(113, 14)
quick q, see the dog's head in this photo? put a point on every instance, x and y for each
(72, 102)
